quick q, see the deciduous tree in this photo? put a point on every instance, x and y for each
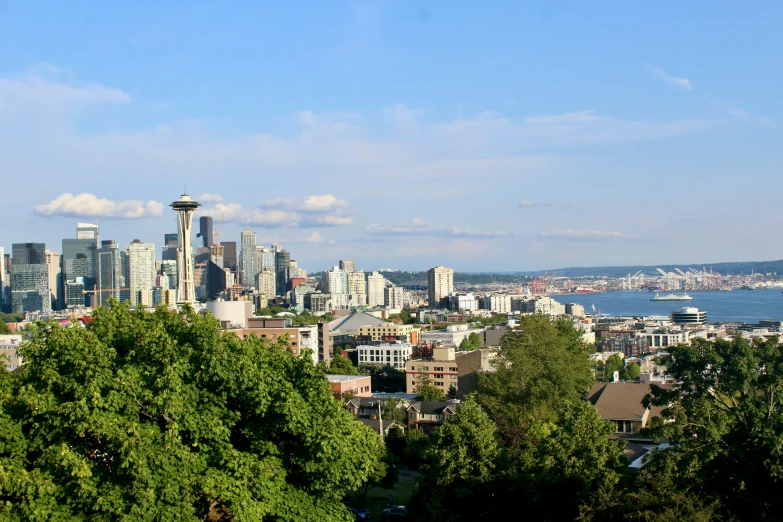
(161, 416)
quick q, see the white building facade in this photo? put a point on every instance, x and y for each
(440, 283)
(375, 288)
(393, 354)
(141, 272)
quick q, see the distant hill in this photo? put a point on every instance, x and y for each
(726, 268)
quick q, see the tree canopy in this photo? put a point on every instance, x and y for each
(725, 423)
(341, 366)
(160, 416)
(471, 342)
(426, 391)
(384, 378)
(4, 330)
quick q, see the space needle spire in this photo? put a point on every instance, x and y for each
(184, 207)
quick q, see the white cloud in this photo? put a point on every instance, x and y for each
(740, 114)
(683, 83)
(583, 234)
(236, 213)
(420, 227)
(210, 198)
(569, 117)
(326, 221)
(89, 205)
(317, 203)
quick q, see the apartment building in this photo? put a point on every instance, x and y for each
(388, 332)
(393, 354)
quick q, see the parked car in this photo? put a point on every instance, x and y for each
(394, 513)
(358, 513)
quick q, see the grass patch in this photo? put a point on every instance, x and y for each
(378, 498)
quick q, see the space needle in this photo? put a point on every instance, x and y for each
(184, 207)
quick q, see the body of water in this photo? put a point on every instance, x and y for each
(745, 306)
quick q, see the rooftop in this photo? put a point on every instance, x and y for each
(345, 378)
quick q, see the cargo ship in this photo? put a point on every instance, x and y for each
(672, 297)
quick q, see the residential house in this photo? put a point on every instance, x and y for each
(621, 403)
(426, 416)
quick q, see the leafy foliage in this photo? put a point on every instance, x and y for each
(543, 364)
(470, 343)
(725, 423)
(459, 461)
(427, 391)
(158, 416)
(384, 378)
(4, 330)
(341, 366)
(613, 364)
(631, 371)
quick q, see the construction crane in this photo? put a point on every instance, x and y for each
(218, 229)
(538, 285)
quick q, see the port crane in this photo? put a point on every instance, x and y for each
(538, 286)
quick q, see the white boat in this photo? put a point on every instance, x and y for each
(672, 297)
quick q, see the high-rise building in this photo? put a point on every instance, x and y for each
(283, 270)
(55, 279)
(357, 288)
(79, 256)
(184, 207)
(393, 297)
(169, 269)
(230, 255)
(440, 283)
(375, 285)
(170, 246)
(87, 231)
(205, 231)
(109, 272)
(335, 281)
(266, 283)
(348, 265)
(247, 259)
(29, 279)
(3, 279)
(266, 259)
(140, 272)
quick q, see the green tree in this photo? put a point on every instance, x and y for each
(4, 330)
(384, 378)
(161, 416)
(458, 464)
(470, 343)
(383, 474)
(725, 423)
(613, 364)
(392, 410)
(631, 371)
(427, 391)
(341, 366)
(539, 366)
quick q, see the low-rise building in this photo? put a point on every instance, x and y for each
(496, 303)
(389, 332)
(9, 345)
(393, 354)
(621, 403)
(357, 385)
(276, 328)
(452, 336)
(426, 416)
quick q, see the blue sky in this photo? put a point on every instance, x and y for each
(478, 135)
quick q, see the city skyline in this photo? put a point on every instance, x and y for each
(540, 142)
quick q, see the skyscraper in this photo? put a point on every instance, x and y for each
(282, 266)
(440, 283)
(3, 278)
(29, 278)
(170, 245)
(205, 231)
(109, 271)
(184, 207)
(357, 288)
(87, 231)
(55, 279)
(79, 262)
(393, 297)
(348, 265)
(375, 285)
(141, 272)
(247, 259)
(230, 255)
(266, 259)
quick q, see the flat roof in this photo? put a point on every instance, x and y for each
(346, 378)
